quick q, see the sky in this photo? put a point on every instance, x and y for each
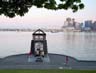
(43, 18)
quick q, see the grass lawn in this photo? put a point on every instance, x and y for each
(48, 71)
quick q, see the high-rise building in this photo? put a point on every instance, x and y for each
(77, 26)
(73, 22)
(69, 22)
(94, 26)
(71, 25)
(87, 25)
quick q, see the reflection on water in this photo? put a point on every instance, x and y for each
(76, 44)
(80, 45)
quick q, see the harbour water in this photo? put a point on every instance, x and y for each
(81, 45)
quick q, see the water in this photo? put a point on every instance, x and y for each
(80, 45)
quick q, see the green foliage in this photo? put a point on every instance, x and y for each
(11, 8)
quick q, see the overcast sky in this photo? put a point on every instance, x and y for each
(41, 18)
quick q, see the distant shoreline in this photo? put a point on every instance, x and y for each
(31, 30)
(47, 30)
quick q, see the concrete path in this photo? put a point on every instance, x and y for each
(56, 62)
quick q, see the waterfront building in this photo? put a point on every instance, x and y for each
(71, 25)
(94, 26)
(87, 25)
(77, 26)
(68, 24)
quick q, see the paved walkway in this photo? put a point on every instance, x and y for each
(56, 62)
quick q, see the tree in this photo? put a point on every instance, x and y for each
(11, 8)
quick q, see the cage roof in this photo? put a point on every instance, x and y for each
(39, 32)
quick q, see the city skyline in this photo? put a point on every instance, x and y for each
(43, 18)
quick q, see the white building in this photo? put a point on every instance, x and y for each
(69, 24)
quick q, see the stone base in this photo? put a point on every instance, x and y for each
(45, 59)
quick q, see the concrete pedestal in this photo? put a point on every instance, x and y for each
(45, 59)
